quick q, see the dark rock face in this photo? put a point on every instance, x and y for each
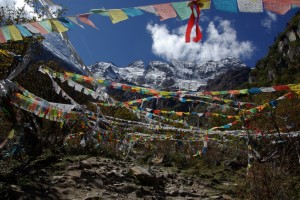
(230, 80)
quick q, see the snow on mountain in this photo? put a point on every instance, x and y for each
(55, 48)
(162, 75)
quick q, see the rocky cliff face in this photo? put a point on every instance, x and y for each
(282, 64)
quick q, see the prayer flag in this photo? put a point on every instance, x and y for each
(4, 52)
(132, 12)
(23, 31)
(66, 22)
(182, 10)
(117, 16)
(46, 25)
(102, 12)
(39, 28)
(84, 18)
(250, 5)
(74, 20)
(15, 33)
(2, 37)
(31, 28)
(165, 11)
(58, 26)
(278, 6)
(149, 9)
(6, 33)
(206, 4)
(226, 5)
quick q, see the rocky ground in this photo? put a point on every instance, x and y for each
(85, 177)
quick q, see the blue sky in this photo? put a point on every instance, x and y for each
(243, 35)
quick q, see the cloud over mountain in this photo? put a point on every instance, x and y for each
(221, 42)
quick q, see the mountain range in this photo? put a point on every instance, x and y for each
(173, 75)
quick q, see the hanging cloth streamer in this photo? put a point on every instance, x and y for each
(194, 4)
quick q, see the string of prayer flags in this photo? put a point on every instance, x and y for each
(18, 31)
(253, 6)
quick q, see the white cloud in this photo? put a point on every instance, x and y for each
(221, 43)
(269, 20)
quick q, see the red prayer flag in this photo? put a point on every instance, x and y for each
(84, 18)
(165, 11)
(191, 24)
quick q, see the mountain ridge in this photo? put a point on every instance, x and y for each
(175, 74)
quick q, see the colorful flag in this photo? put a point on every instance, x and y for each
(206, 4)
(182, 10)
(23, 31)
(84, 18)
(250, 6)
(15, 33)
(66, 22)
(6, 33)
(277, 6)
(149, 9)
(74, 20)
(58, 26)
(132, 12)
(165, 11)
(46, 25)
(2, 37)
(31, 28)
(39, 28)
(226, 5)
(117, 16)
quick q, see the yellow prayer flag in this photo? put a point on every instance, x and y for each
(294, 87)
(11, 134)
(4, 52)
(117, 16)
(206, 4)
(15, 33)
(58, 26)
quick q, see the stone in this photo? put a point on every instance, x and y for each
(144, 176)
(98, 182)
(226, 197)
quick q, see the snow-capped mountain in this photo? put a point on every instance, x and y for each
(174, 75)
